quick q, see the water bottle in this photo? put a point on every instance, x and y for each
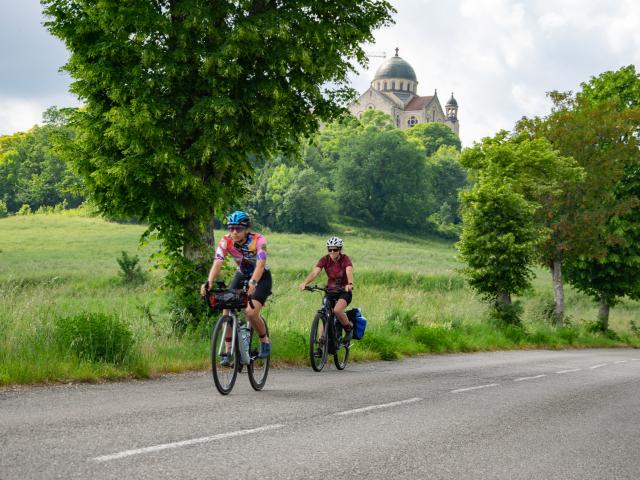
(245, 336)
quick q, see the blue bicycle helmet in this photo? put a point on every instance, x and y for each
(239, 218)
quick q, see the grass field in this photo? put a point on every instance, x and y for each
(54, 268)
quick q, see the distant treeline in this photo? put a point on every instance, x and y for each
(363, 169)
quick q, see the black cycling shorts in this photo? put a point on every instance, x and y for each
(263, 289)
(334, 297)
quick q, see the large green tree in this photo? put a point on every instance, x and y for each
(180, 95)
(503, 215)
(433, 135)
(381, 176)
(614, 273)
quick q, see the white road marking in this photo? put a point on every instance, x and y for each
(184, 443)
(474, 388)
(620, 361)
(571, 370)
(376, 407)
(598, 366)
(529, 378)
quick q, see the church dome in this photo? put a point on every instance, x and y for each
(396, 67)
(452, 102)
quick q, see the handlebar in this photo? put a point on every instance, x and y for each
(316, 288)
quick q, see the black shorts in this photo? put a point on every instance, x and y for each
(263, 289)
(334, 297)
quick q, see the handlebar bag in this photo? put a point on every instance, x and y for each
(228, 299)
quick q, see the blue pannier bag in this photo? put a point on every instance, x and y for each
(359, 323)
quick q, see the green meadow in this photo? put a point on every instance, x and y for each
(59, 275)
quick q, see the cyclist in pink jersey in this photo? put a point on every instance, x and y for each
(339, 271)
(249, 250)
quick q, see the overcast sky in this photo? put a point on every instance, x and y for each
(499, 57)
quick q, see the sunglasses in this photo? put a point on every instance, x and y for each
(234, 228)
(333, 249)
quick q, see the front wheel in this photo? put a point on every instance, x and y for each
(258, 368)
(318, 343)
(224, 357)
(341, 353)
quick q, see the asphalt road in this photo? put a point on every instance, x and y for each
(504, 415)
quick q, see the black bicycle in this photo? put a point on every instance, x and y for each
(326, 334)
(234, 341)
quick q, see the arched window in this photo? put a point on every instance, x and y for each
(401, 86)
(393, 85)
(412, 121)
(385, 85)
(398, 121)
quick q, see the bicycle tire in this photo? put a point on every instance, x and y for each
(340, 350)
(258, 368)
(318, 362)
(224, 377)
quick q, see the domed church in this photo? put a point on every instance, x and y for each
(394, 90)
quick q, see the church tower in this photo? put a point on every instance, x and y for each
(394, 90)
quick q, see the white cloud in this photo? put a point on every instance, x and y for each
(18, 115)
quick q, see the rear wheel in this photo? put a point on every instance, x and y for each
(317, 343)
(258, 368)
(224, 360)
(341, 354)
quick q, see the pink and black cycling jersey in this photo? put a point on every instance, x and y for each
(245, 255)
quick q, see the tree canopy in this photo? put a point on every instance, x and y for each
(180, 95)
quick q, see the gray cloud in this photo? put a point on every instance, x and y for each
(500, 57)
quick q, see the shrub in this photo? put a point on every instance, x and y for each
(381, 344)
(95, 337)
(401, 321)
(506, 313)
(25, 210)
(130, 271)
(4, 211)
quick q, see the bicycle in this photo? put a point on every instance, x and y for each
(328, 339)
(226, 360)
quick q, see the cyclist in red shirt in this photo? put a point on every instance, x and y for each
(339, 271)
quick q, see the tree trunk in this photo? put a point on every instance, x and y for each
(504, 298)
(199, 245)
(558, 292)
(603, 312)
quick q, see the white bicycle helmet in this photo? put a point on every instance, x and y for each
(334, 242)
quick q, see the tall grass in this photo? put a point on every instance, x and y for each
(55, 267)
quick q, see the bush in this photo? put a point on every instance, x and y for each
(25, 210)
(401, 321)
(95, 337)
(506, 313)
(4, 211)
(130, 271)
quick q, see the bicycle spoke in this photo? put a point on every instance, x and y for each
(224, 358)
(258, 369)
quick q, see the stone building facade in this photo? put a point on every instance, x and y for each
(394, 90)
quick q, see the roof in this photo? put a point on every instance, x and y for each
(418, 103)
(452, 101)
(395, 67)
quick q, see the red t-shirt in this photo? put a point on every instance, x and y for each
(336, 271)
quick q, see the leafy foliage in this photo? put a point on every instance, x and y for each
(32, 173)
(95, 337)
(180, 96)
(433, 135)
(381, 177)
(130, 270)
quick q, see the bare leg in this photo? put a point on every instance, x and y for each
(338, 310)
(253, 315)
